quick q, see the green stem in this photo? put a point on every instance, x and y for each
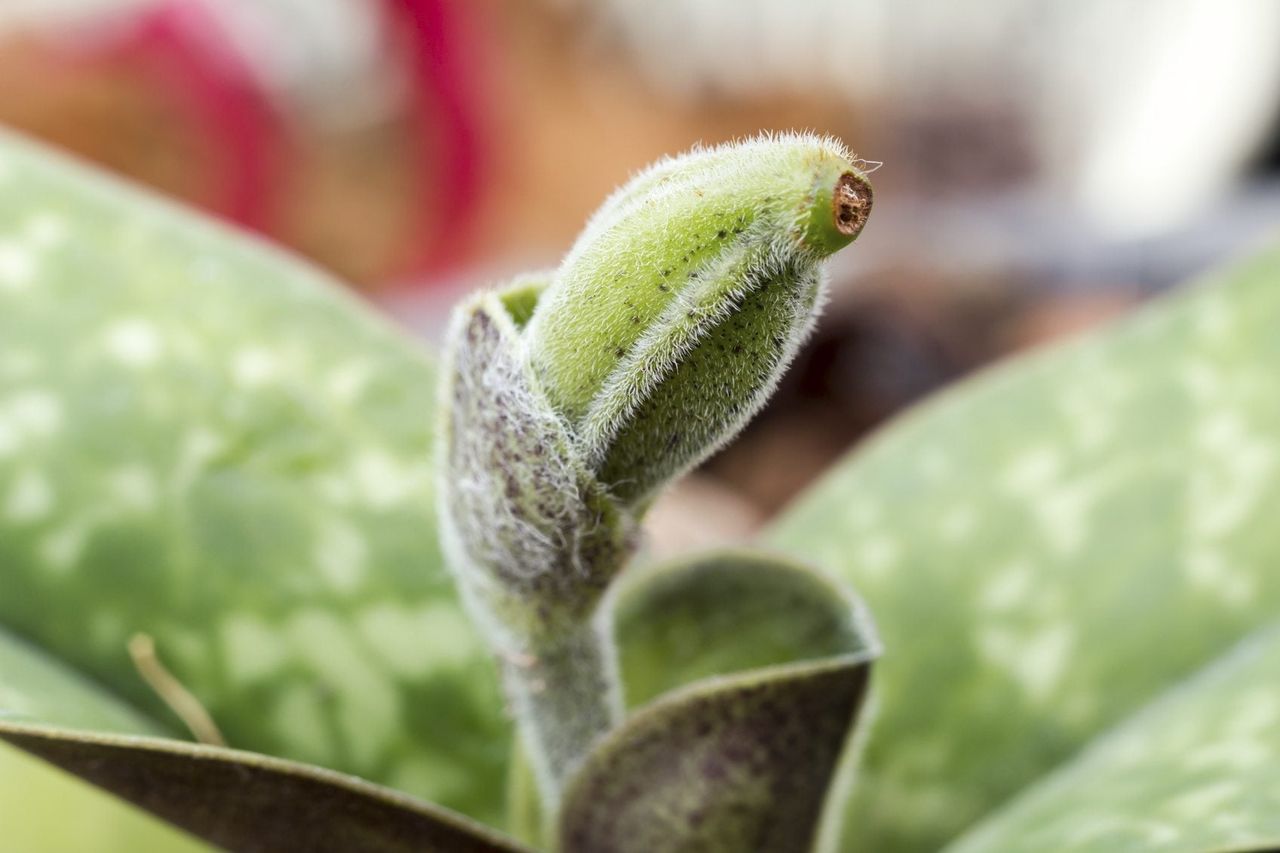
(565, 697)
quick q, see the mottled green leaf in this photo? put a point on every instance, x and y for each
(743, 757)
(1197, 771)
(1050, 545)
(206, 441)
(238, 800)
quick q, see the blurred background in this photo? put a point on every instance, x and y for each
(1048, 164)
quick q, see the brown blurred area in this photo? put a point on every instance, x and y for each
(542, 108)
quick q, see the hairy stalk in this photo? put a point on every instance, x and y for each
(565, 696)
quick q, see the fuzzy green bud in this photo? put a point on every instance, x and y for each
(532, 535)
(672, 318)
(569, 400)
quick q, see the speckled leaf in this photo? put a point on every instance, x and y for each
(743, 757)
(1197, 771)
(206, 441)
(1050, 545)
(238, 800)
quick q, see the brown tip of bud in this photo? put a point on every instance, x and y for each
(852, 204)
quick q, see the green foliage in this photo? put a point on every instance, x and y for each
(1197, 770)
(204, 441)
(1049, 546)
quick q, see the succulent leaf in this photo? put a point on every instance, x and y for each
(206, 441)
(1049, 546)
(721, 654)
(693, 621)
(729, 611)
(248, 801)
(1198, 770)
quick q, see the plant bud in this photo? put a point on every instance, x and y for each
(528, 530)
(672, 318)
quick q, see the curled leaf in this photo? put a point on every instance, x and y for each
(744, 757)
(531, 536)
(244, 801)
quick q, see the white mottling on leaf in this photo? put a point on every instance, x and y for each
(876, 556)
(1007, 588)
(61, 549)
(32, 412)
(30, 497)
(1063, 516)
(1255, 714)
(254, 366)
(133, 487)
(199, 447)
(1036, 660)
(341, 555)
(381, 481)
(1204, 802)
(398, 634)
(252, 649)
(1212, 573)
(1089, 407)
(1236, 469)
(133, 342)
(348, 382)
(1159, 833)
(17, 266)
(45, 229)
(1033, 471)
(1233, 754)
(368, 707)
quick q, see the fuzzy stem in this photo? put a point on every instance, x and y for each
(565, 697)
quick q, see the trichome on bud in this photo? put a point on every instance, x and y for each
(674, 315)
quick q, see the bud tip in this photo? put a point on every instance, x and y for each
(852, 204)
